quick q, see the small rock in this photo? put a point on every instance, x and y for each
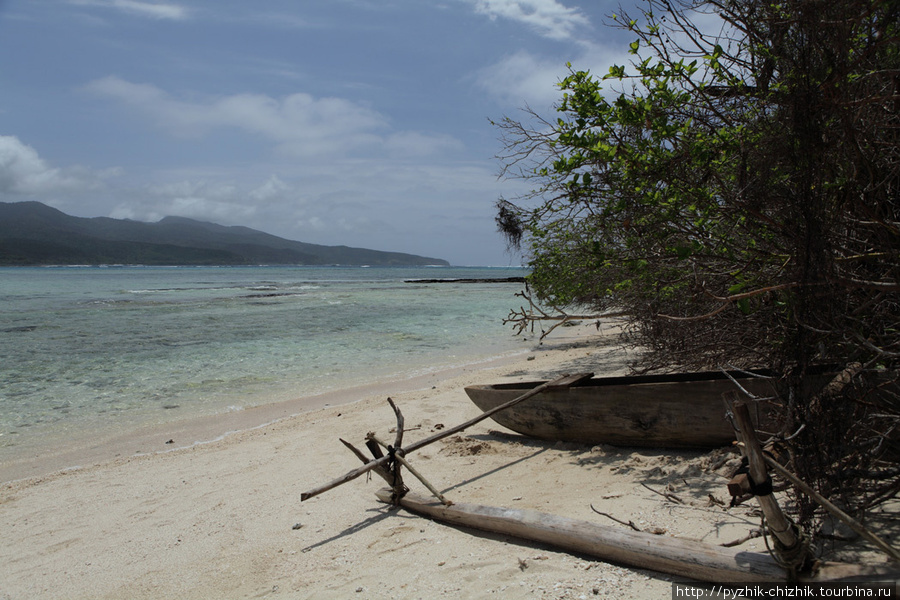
(297, 526)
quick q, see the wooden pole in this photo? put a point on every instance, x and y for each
(380, 471)
(561, 381)
(779, 524)
(790, 548)
(351, 475)
(400, 488)
(834, 510)
(398, 439)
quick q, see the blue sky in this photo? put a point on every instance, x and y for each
(355, 122)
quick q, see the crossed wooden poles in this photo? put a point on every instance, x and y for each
(387, 466)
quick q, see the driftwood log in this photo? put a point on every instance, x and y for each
(686, 558)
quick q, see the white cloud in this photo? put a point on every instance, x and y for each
(549, 17)
(523, 78)
(299, 125)
(212, 209)
(272, 189)
(219, 200)
(153, 10)
(23, 171)
(416, 144)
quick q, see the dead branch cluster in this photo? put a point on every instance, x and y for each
(524, 319)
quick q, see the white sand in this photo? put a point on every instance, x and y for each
(224, 519)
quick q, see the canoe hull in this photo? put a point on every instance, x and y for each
(682, 411)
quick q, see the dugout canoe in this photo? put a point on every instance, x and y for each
(682, 410)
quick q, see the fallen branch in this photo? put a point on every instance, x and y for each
(755, 533)
(667, 494)
(524, 318)
(608, 516)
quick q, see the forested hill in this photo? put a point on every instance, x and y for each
(32, 233)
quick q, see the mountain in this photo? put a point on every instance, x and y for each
(32, 233)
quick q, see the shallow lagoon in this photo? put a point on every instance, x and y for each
(93, 348)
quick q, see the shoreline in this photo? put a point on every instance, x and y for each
(140, 439)
(81, 362)
(224, 519)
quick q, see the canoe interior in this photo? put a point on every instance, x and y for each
(631, 380)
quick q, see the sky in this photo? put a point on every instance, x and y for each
(363, 123)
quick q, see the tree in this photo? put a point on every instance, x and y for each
(738, 200)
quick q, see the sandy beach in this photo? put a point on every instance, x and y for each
(141, 518)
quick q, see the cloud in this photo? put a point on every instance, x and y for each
(549, 18)
(153, 10)
(23, 171)
(299, 125)
(417, 144)
(272, 189)
(218, 200)
(523, 78)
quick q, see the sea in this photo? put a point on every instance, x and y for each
(95, 348)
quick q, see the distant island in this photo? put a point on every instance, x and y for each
(34, 234)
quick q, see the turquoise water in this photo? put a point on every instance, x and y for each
(124, 346)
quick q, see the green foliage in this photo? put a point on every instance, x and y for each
(735, 194)
(709, 173)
